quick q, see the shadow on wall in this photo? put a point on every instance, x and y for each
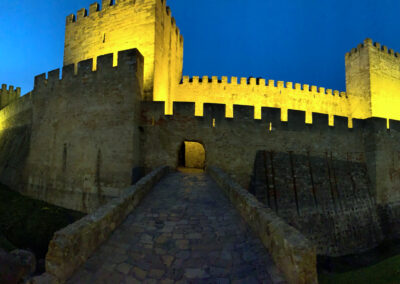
(192, 155)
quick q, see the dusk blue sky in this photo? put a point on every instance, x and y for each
(300, 41)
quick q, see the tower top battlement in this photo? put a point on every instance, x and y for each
(125, 24)
(379, 47)
(9, 95)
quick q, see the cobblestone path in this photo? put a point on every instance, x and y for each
(184, 231)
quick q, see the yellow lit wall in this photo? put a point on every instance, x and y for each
(168, 57)
(372, 73)
(9, 95)
(261, 94)
(372, 84)
(143, 24)
(16, 113)
(373, 81)
(357, 82)
(385, 82)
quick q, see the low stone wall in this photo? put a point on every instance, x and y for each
(73, 245)
(291, 251)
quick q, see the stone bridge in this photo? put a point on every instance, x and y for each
(180, 227)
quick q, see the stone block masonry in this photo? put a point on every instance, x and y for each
(185, 230)
(15, 135)
(260, 93)
(77, 141)
(9, 95)
(143, 24)
(85, 135)
(354, 170)
(291, 251)
(72, 246)
(329, 201)
(373, 80)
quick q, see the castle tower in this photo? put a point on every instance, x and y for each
(373, 81)
(9, 95)
(124, 24)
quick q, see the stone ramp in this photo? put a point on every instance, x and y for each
(185, 230)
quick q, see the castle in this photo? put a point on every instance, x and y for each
(327, 162)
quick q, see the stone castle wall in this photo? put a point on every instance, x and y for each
(143, 24)
(330, 201)
(259, 93)
(241, 136)
(9, 95)
(75, 141)
(85, 135)
(15, 133)
(322, 179)
(373, 81)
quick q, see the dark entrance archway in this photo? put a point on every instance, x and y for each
(192, 155)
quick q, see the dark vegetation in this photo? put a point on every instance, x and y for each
(384, 272)
(378, 265)
(29, 224)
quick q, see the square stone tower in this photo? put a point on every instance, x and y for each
(373, 81)
(125, 24)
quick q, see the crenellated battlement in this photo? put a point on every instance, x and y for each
(120, 105)
(215, 116)
(147, 25)
(95, 9)
(8, 95)
(168, 17)
(128, 60)
(252, 82)
(260, 93)
(376, 46)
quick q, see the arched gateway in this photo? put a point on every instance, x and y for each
(192, 155)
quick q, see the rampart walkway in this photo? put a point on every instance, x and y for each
(185, 230)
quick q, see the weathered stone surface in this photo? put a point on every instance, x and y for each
(45, 278)
(17, 266)
(8, 96)
(82, 152)
(291, 251)
(26, 259)
(191, 203)
(15, 137)
(145, 25)
(72, 246)
(329, 201)
(79, 141)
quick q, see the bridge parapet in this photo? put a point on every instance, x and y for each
(73, 245)
(293, 253)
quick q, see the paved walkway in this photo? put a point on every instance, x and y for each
(184, 231)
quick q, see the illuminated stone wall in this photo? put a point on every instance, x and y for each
(357, 83)
(373, 81)
(143, 24)
(9, 95)
(16, 113)
(385, 81)
(372, 75)
(258, 93)
(15, 133)
(85, 135)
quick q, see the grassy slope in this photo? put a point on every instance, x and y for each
(387, 271)
(30, 224)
